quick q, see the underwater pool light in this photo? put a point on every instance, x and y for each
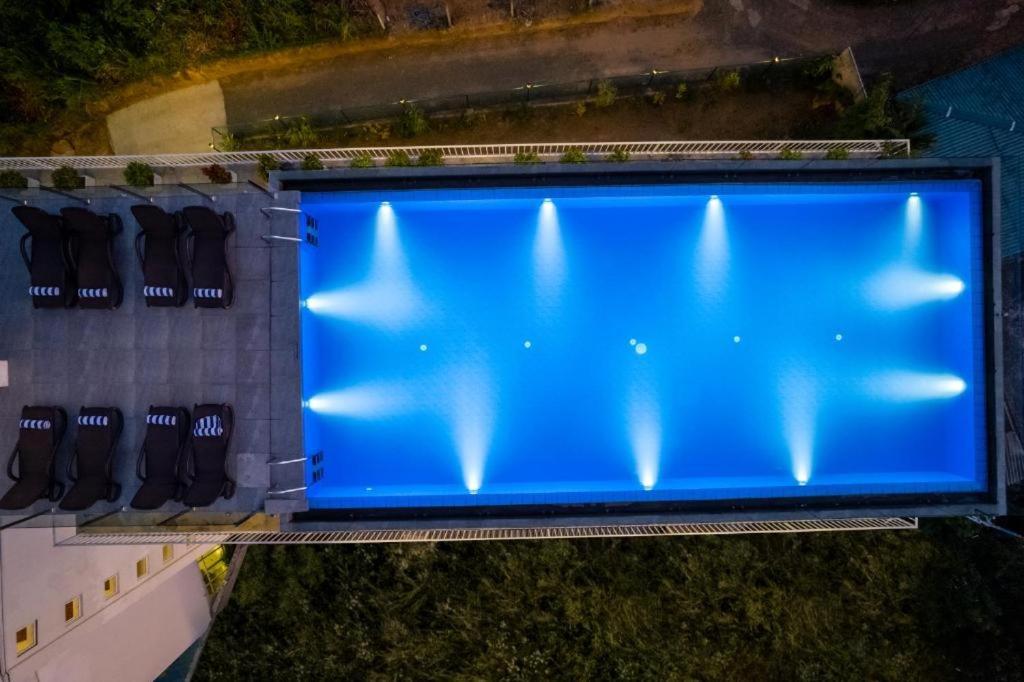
(640, 348)
(902, 386)
(903, 287)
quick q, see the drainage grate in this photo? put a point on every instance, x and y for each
(89, 537)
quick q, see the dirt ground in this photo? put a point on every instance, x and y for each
(739, 116)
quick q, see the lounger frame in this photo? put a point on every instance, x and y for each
(113, 487)
(55, 488)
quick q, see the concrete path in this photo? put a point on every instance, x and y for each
(177, 121)
(914, 40)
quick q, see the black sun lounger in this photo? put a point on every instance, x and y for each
(89, 467)
(44, 248)
(158, 246)
(207, 242)
(92, 252)
(40, 432)
(167, 431)
(205, 468)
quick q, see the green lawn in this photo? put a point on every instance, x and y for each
(940, 603)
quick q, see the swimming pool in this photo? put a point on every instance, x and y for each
(655, 343)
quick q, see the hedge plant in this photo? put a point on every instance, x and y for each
(67, 178)
(574, 155)
(398, 157)
(362, 161)
(265, 163)
(138, 174)
(12, 179)
(217, 174)
(311, 162)
(430, 157)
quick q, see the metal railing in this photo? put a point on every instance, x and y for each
(654, 149)
(471, 534)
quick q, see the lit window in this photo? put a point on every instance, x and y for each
(110, 586)
(168, 553)
(73, 610)
(214, 567)
(25, 638)
(141, 568)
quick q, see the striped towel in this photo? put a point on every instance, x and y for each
(93, 293)
(208, 293)
(95, 420)
(208, 427)
(44, 291)
(158, 292)
(36, 424)
(162, 419)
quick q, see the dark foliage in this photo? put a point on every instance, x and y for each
(12, 179)
(217, 173)
(138, 174)
(311, 162)
(937, 604)
(880, 115)
(56, 55)
(265, 163)
(66, 178)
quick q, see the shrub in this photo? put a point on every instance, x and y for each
(682, 91)
(895, 150)
(66, 178)
(12, 179)
(398, 157)
(412, 121)
(227, 143)
(362, 161)
(788, 154)
(581, 108)
(837, 154)
(300, 134)
(266, 163)
(618, 156)
(526, 157)
(430, 157)
(606, 94)
(727, 81)
(574, 155)
(381, 131)
(217, 174)
(311, 162)
(138, 174)
(657, 98)
(746, 155)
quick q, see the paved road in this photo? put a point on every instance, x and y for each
(914, 39)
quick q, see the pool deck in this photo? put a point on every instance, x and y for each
(136, 356)
(249, 355)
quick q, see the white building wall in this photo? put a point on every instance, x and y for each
(134, 635)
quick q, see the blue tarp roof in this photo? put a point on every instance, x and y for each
(979, 111)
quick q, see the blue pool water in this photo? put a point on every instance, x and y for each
(643, 343)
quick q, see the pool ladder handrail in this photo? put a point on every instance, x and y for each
(265, 210)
